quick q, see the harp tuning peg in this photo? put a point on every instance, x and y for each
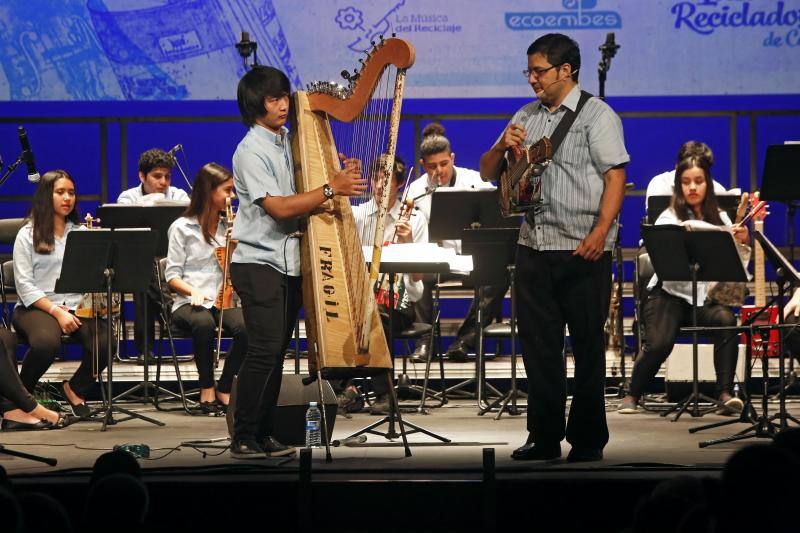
(346, 75)
(381, 37)
(394, 34)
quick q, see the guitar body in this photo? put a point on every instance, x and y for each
(519, 191)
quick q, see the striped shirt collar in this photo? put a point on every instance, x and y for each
(570, 101)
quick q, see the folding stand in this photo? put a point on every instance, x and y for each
(394, 409)
(494, 252)
(681, 255)
(159, 219)
(419, 267)
(452, 212)
(108, 261)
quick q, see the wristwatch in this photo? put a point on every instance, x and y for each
(327, 190)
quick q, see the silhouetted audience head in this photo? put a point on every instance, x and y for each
(115, 462)
(789, 440)
(42, 512)
(118, 499)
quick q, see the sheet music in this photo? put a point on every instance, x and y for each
(423, 252)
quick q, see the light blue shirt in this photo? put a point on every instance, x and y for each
(35, 274)
(192, 259)
(573, 183)
(134, 196)
(262, 166)
(683, 289)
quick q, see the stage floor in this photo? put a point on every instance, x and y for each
(639, 443)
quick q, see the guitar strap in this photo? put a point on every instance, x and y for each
(566, 122)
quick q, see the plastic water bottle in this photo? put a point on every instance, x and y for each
(313, 426)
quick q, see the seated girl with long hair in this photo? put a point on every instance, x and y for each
(669, 305)
(194, 273)
(41, 314)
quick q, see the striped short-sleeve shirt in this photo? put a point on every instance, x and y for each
(573, 184)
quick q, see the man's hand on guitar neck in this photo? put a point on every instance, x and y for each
(513, 137)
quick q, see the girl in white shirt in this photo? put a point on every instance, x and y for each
(194, 273)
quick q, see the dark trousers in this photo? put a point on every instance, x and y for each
(270, 303)
(492, 300)
(555, 289)
(150, 301)
(202, 323)
(44, 340)
(12, 392)
(662, 317)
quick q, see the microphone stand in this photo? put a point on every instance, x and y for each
(10, 170)
(608, 51)
(180, 168)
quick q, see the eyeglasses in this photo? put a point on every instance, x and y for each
(537, 72)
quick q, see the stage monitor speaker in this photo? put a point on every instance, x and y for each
(289, 425)
(678, 370)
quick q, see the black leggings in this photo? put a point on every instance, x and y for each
(201, 322)
(12, 392)
(663, 315)
(44, 340)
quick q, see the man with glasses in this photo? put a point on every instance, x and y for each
(563, 268)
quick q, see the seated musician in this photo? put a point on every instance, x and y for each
(42, 315)
(438, 160)
(669, 305)
(19, 409)
(402, 225)
(155, 173)
(664, 183)
(195, 274)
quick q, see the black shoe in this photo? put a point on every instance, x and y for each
(210, 408)
(584, 455)
(458, 351)
(273, 448)
(380, 406)
(530, 451)
(13, 425)
(421, 354)
(81, 410)
(247, 449)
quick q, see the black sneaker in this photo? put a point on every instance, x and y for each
(273, 448)
(247, 449)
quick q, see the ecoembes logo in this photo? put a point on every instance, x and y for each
(577, 15)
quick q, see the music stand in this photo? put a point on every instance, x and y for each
(108, 261)
(494, 253)
(159, 219)
(681, 255)
(779, 183)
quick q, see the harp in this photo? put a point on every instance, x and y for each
(343, 326)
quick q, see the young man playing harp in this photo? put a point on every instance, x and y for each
(265, 268)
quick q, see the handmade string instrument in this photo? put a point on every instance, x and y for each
(342, 322)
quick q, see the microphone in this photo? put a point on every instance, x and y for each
(27, 155)
(174, 149)
(610, 47)
(562, 79)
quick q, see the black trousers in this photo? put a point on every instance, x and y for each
(554, 289)
(12, 392)
(493, 304)
(662, 316)
(270, 303)
(202, 323)
(151, 301)
(44, 341)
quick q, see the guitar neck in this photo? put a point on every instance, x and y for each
(760, 296)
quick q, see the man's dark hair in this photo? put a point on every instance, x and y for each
(258, 84)
(155, 158)
(559, 49)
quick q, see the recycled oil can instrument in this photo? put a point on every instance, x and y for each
(342, 321)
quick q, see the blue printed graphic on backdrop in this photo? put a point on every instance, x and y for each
(577, 15)
(48, 51)
(708, 16)
(352, 19)
(134, 50)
